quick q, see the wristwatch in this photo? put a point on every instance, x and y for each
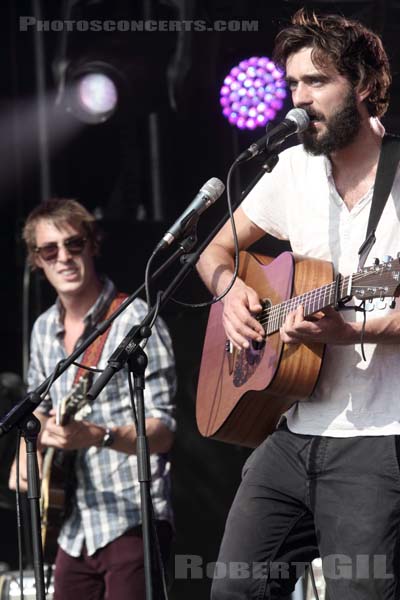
(108, 438)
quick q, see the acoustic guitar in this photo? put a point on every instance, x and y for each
(58, 475)
(241, 395)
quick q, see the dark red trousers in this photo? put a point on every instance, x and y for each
(115, 572)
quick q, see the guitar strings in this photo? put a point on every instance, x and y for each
(285, 307)
(276, 315)
(309, 299)
(279, 311)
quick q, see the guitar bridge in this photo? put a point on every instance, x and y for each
(230, 352)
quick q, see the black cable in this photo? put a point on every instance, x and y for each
(55, 372)
(132, 395)
(362, 307)
(236, 257)
(156, 309)
(147, 278)
(236, 246)
(87, 368)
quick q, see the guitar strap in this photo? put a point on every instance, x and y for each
(90, 358)
(93, 352)
(386, 171)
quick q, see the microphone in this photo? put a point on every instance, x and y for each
(296, 121)
(209, 193)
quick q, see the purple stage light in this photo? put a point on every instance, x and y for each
(233, 117)
(261, 120)
(276, 104)
(252, 93)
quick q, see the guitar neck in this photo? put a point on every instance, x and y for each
(312, 301)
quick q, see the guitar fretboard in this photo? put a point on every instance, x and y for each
(273, 317)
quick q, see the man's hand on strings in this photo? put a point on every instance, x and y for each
(240, 306)
(73, 436)
(326, 327)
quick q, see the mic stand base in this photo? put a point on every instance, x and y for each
(30, 430)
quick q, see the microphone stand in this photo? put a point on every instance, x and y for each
(125, 352)
(30, 429)
(31, 401)
(21, 416)
(129, 351)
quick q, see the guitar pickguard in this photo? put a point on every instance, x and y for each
(246, 365)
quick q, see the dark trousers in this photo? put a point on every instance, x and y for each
(303, 496)
(115, 572)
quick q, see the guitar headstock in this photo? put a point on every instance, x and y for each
(380, 280)
(75, 400)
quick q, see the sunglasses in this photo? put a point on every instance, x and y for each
(73, 245)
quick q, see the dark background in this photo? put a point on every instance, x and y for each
(110, 168)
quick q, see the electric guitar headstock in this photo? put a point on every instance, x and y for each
(75, 401)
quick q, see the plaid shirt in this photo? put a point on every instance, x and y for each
(108, 493)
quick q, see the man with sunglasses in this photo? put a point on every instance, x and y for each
(100, 545)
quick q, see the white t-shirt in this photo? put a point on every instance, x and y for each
(298, 201)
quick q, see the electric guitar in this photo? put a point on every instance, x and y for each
(58, 477)
(241, 395)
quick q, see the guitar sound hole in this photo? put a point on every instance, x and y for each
(262, 318)
(257, 346)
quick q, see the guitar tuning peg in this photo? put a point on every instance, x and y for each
(380, 304)
(387, 259)
(369, 305)
(393, 303)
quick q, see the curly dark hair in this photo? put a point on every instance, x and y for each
(356, 52)
(60, 211)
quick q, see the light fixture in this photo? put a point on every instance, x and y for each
(93, 92)
(253, 93)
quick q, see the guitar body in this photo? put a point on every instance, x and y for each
(58, 471)
(241, 395)
(57, 489)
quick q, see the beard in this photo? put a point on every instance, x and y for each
(341, 128)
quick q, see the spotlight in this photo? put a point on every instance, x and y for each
(96, 82)
(93, 92)
(98, 94)
(253, 93)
